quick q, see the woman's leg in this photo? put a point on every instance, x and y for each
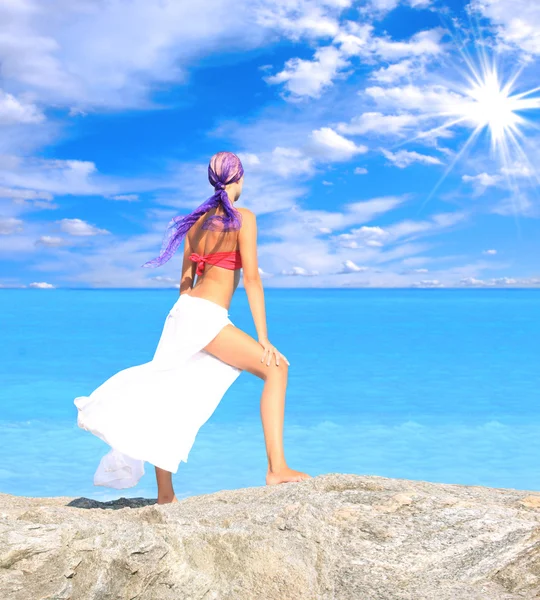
(165, 486)
(240, 350)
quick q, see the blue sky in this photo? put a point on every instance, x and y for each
(340, 110)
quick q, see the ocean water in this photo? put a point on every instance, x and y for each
(435, 385)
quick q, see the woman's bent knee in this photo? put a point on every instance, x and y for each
(274, 370)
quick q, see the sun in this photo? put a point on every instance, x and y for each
(491, 106)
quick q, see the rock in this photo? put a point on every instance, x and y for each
(530, 501)
(333, 537)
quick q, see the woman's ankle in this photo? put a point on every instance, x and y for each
(277, 467)
(166, 498)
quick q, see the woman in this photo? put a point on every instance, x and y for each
(152, 412)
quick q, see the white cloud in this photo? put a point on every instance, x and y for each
(323, 145)
(490, 252)
(162, 279)
(78, 227)
(126, 197)
(361, 212)
(249, 159)
(310, 77)
(482, 180)
(36, 178)
(327, 144)
(376, 237)
(320, 221)
(355, 39)
(360, 171)
(472, 281)
(290, 161)
(516, 204)
(519, 169)
(264, 274)
(302, 18)
(396, 71)
(296, 239)
(41, 285)
(13, 111)
(51, 177)
(429, 99)
(299, 271)
(22, 194)
(436, 223)
(518, 22)
(358, 39)
(498, 282)
(50, 241)
(348, 266)
(428, 283)
(378, 123)
(506, 179)
(384, 6)
(363, 236)
(411, 271)
(10, 225)
(416, 260)
(423, 43)
(404, 158)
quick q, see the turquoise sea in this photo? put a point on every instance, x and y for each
(437, 385)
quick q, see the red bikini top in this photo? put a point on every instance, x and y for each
(227, 260)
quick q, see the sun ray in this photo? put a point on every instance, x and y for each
(455, 160)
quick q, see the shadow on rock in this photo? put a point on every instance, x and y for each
(112, 504)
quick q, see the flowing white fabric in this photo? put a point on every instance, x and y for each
(153, 412)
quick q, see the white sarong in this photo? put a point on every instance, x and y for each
(152, 412)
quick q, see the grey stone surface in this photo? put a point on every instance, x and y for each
(333, 537)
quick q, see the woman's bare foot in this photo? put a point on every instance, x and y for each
(167, 500)
(285, 475)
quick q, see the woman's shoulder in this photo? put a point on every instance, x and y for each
(245, 212)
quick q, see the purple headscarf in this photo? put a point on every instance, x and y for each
(224, 168)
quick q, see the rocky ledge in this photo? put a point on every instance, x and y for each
(333, 537)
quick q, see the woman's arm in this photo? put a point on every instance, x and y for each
(247, 239)
(188, 268)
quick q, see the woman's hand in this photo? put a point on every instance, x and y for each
(270, 351)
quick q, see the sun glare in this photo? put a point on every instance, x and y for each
(489, 104)
(492, 106)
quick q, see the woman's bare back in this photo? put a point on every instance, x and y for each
(216, 283)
